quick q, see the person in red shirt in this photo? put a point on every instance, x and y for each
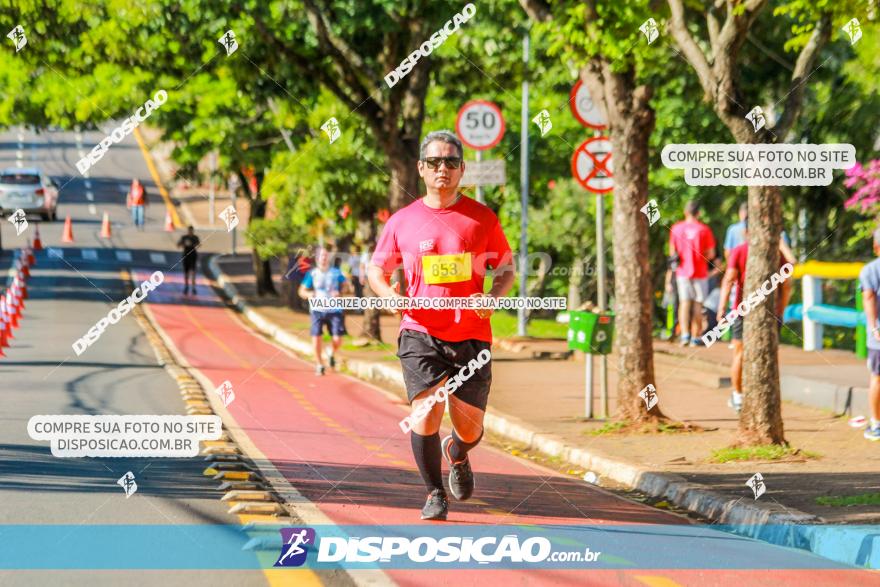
(137, 199)
(445, 242)
(693, 243)
(736, 275)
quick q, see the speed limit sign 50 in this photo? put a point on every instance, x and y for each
(480, 125)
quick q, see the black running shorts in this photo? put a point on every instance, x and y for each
(426, 361)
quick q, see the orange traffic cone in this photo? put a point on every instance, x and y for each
(30, 256)
(67, 236)
(169, 223)
(105, 226)
(7, 319)
(38, 244)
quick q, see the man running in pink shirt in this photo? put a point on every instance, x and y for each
(445, 242)
(694, 244)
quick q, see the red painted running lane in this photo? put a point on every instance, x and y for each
(338, 442)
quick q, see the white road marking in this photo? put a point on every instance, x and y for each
(90, 196)
(157, 258)
(88, 184)
(55, 252)
(18, 163)
(90, 254)
(92, 209)
(123, 255)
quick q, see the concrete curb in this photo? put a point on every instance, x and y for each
(771, 523)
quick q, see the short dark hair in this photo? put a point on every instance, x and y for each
(444, 136)
(692, 207)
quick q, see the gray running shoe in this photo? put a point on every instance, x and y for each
(461, 477)
(436, 507)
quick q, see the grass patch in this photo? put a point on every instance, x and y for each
(504, 325)
(609, 428)
(767, 452)
(849, 500)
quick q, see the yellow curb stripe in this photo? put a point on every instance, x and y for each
(158, 181)
(656, 581)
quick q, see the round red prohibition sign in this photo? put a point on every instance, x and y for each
(591, 165)
(479, 125)
(583, 108)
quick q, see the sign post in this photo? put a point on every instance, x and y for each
(591, 167)
(480, 126)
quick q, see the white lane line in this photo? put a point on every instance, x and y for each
(88, 184)
(90, 196)
(123, 255)
(52, 252)
(90, 254)
(18, 163)
(157, 258)
(92, 210)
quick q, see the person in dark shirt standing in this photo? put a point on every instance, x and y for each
(190, 243)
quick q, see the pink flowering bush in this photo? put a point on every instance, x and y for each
(867, 181)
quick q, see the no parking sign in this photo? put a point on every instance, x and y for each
(591, 165)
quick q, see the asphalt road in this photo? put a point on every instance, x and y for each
(117, 375)
(333, 442)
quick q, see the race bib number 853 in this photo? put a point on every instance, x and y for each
(446, 268)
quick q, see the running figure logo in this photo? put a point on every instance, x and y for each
(19, 221)
(854, 29)
(651, 211)
(128, 484)
(649, 28)
(649, 394)
(230, 217)
(229, 43)
(226, 393)
(18, 38)
(295, 546)
(542, 119)
(331, 127)
(757, 485)
(756, 117)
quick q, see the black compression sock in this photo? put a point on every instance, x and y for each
(458, 448)
(426, 450)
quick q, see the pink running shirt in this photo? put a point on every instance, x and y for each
(427, 241)
(689, 240)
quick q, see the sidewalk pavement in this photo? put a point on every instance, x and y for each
(540, 403)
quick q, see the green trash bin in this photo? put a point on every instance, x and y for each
(590, 332)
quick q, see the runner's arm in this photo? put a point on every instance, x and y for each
(784, 296)
(869, 302)
(726, 285)
(306, 290)
(379, 283)
(503, 280)
(786, 253)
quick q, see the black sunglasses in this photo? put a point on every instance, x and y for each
(451, 162)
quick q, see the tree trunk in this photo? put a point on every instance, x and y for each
(404, 188)
(370, 329)
(262, 268)
(632, 289)
(761, 418)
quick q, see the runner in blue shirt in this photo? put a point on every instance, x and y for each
(324, 282)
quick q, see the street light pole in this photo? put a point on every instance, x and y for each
(524, 186)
